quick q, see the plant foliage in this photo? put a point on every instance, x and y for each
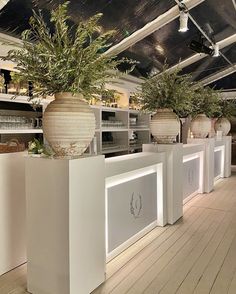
(227, 108)
(170, 89)
(65, 58)
(205, 100)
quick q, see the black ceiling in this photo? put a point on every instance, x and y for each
(216, 17)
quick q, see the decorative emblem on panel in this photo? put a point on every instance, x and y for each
(136, 205)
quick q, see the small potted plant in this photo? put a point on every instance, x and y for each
(169, 96)
(205, 103)
(67, 62)
(227, 111)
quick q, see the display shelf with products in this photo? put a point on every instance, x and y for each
(115, 128)
(118, 122)
(19, 120)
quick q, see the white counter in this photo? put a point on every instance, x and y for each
(134, 198)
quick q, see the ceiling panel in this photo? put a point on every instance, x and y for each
(227, 83)
(121, 15)
(216, 17)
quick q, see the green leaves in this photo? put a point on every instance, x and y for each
(205, 100)
(65, 59)
(168, 90)
(227, 108)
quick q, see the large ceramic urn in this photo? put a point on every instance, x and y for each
(224, 125)
(200, 126)
(165, 126)
(68, 124)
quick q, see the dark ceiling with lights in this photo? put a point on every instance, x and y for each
(216, 18)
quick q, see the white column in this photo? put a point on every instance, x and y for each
(228, 150)
(208, 169)
(65, 225)
(174, 177)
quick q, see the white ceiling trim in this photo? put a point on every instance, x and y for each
(219, 75)
(3, 3)
(151, 27)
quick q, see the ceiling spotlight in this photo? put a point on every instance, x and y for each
(216, 48)
(183, 21)
(199, 47)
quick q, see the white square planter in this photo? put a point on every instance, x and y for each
(65, 225)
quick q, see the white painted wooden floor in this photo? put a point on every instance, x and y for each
(196, 255)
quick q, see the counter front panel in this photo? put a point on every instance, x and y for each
(132, 206)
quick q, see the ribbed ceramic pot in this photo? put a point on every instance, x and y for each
(224, 125)
(165, 126)
(68, 124)
(200, 126)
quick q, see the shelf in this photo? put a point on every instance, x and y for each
(139, 129)
(22, 131)
(114, 150)
(20, 99)
(109, 109)
(114, 130)
(135, 147)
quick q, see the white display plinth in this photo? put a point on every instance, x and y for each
(174, 177)
(12, 211)
(65, 225)
(208, 169)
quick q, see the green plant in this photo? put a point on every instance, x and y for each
(19, 82)
(205, 101)
(227, 108)
(65, 58)
(37, 147)
(170, 89)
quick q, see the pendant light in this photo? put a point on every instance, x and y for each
(183, 21)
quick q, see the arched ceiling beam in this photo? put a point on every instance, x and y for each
(3, 3)
(219, 75)
(151, 27)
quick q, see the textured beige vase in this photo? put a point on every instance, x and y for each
(200, 126)
(224, 125)
(68, 124)
(165, 126)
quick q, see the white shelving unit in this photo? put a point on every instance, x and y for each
(133, 126)
(22, 131)
(131, 131)
(19, 106)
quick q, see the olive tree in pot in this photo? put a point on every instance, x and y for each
(169, 95)
(205, 103)
(67, 62)
(227, 111)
